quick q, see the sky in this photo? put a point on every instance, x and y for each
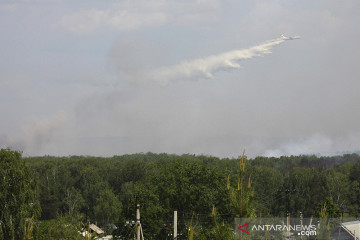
(208, 77)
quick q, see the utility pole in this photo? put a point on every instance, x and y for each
(301, 224)
(138, 221)
(288, 192)
(287, 207)
(175, 225)
(287, 204)
(139, 231)
(342, 207)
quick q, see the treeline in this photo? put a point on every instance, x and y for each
(105, 190)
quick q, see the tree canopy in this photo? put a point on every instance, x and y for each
(18, 195)
(81, 189)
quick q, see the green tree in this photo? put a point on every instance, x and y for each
(73, 201)
(307, 187)
(90, 185)
(61, 228)
(221, 230)
(108, 208)
(241, 198)
(327, 208)
(339, 187)
(17, 195)
(266, 181)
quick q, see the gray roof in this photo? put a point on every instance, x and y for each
(96, 229)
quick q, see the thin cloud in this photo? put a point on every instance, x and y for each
(131, 15)
(86, 22)
(206, 67)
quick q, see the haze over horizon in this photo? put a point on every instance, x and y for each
(206, 77)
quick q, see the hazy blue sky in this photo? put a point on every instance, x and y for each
(203, 77)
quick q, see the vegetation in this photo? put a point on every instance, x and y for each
(47, 196)
(18, 204)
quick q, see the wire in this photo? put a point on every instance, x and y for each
(265, 201)
(263, 198)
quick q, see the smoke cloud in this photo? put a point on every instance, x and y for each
(35, 134)
(317, 144)
(206, 67)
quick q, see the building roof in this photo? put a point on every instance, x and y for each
(96, 229)
(351, 223)
(351, 229)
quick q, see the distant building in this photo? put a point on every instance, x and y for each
(346, 231)
(93, 229)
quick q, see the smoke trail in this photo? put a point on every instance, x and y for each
(206, 67)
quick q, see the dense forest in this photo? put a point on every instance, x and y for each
(76, 190)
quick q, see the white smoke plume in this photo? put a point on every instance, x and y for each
(317, 144)
(206, 67)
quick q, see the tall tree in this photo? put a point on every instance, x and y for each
(241, 199)
(17, 195)
(108, 208)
